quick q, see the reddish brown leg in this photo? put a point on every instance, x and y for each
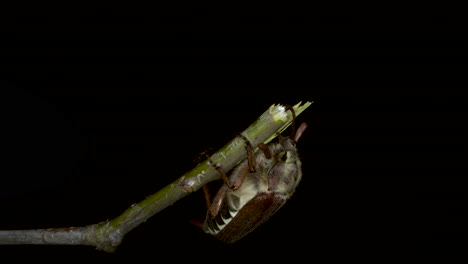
(265, 150)
(224, 177)
(206, 192)
(238, 177)
(274, 176)
(245, 168)
(237, 181)
(239, 174)
(250, 154)
(217, 201)
(234, 183)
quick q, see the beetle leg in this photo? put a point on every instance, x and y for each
(250, 154)
(217, 201)
(243, 171)
(274, 176)
(265, 150)
(224, 177)
(239, 174)
(245, 168)
(206, 192)
(237, 177)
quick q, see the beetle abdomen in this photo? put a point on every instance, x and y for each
(254, 213)
(214, 225)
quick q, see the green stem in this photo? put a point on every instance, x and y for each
(108, 235)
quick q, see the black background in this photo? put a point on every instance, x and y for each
(101, 108)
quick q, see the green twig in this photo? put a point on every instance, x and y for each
(108, 235)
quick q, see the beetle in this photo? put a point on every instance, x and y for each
(256, 188)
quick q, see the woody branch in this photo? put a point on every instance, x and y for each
(109, 234)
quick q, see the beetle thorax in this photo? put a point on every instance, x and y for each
(280, 174)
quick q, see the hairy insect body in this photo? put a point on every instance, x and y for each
(277, 172)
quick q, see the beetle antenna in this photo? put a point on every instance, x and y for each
(299, 131)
